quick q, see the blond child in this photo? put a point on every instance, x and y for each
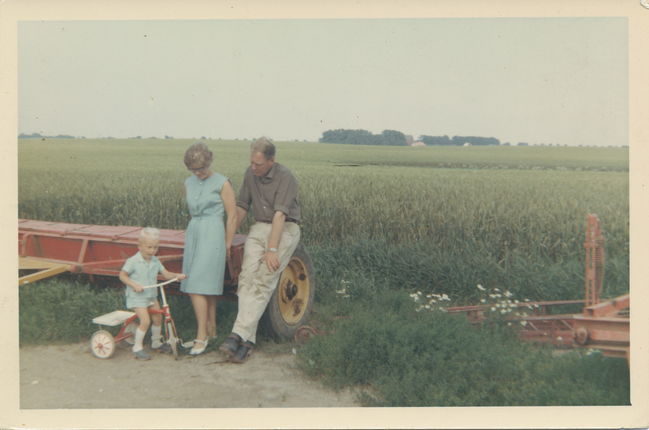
(139, 271)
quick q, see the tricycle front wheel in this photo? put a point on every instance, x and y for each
(172, 338)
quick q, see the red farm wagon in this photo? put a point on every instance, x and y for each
(49, 248)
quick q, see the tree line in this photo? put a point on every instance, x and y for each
(459, 140)
(397, 138)
(363, 137)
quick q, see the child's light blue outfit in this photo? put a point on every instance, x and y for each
(204, 254)
(144, 273)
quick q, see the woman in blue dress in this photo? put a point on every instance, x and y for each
(210, 196)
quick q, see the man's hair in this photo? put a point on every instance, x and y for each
(198, 153)
(149, 233)
(265, 146)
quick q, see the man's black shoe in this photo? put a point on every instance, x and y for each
(231, 344)
(242, 353)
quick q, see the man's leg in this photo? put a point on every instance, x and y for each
(258, 286)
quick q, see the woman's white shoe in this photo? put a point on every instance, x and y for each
(199, 347)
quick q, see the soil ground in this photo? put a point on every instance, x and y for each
(69, 376)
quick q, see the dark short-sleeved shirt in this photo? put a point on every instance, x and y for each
(276, 191)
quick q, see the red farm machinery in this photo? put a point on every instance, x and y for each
(603, 324)
(49, 248)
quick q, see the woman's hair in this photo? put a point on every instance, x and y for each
(265, 146)
(198, 153)
(149, 233)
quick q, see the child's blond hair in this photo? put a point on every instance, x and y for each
(149, 233)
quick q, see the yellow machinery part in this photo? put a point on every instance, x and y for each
(44, 269)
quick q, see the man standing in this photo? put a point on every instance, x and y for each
(271, 190)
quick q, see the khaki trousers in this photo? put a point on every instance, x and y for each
(256, 281)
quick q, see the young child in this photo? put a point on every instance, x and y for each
(139, 271)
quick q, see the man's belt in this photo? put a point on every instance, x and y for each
(285, 220)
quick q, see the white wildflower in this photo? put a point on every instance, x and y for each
(481, 288)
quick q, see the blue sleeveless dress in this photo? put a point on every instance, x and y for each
(204, 254)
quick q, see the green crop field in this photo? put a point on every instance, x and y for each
(379, 222)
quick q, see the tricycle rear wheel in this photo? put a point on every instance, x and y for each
(102, 344)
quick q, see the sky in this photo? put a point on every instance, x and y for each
(536, 80)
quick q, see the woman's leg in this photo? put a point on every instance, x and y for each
(199, 302)
(211, 316)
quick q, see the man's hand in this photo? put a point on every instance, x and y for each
(272, 260)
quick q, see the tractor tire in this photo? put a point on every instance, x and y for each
(292, 301)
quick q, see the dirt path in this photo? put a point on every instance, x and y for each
(68, 376)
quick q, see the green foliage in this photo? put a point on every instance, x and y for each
(417, 266)
(515, 220)
(61, 310)
(405, 358)
(380, 223)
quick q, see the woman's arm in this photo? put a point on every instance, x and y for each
(170, 275)
(229, 203)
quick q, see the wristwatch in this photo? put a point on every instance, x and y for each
(272, 249)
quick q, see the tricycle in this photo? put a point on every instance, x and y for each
(103, 343)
